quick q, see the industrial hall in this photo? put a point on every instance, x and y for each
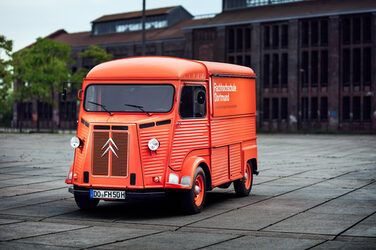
(315, 60)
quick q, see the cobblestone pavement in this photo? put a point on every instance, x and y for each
(313, 191)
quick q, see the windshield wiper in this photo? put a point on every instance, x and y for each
(139, 107)
(102, 106)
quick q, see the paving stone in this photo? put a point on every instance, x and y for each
(314, 223)
(31, 188)
(365, 228)
(8, 221)
(43, 210)
(334, 245)
(171, 240)
(21, 246)
(252, 242)
(28, 229)
(34, 198)
(89, 237)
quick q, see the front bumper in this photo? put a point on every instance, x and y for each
(130, 194)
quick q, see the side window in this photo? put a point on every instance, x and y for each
(192, 102)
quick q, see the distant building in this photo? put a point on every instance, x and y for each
(315, 59)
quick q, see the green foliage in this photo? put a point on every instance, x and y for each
(6, 78)
(42, 68)
(94, 53)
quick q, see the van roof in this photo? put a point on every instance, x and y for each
(158, 67)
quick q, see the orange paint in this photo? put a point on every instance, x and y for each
(200, 113)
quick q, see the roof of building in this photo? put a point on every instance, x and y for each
(83, 39)
(158, 67)
(289, 10)
(134, 14)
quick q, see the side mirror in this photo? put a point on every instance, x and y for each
(79, 94)
(64, 94)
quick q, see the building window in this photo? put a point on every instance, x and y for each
(304, 71)
(324, 108)
(247, 39)
(314, 33)
(367, 69)
(346, 108)
(346, 62)
(275, 71)
(356, 50)
(266, 109)
(314, 53)
(266, 37)
(324, 32)
(305, 34)
(367, 108)
(44, 111)
(231, 40)
(266, 75)
(285, 36)
(284, 70)
(238, 45)
(356, 66)
(284, 108)
(356, 108)
(314, 108)
(324, 68)
(275, 110)
(304, 108)
(314, 68)
(275, 36)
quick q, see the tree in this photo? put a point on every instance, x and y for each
(42, 69)
(5, 78)
(96, 55)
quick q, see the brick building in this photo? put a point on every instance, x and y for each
(315, 59)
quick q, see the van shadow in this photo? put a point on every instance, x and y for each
(147, 209)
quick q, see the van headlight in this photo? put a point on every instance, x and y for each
(153, 144)
(75, 142)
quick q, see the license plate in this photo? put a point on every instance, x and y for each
(107, 194)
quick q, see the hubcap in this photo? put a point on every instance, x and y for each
(198, 195)
(197, 190)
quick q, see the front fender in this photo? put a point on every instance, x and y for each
(70, 175)
(190, 165)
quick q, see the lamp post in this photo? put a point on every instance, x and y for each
(143, 28)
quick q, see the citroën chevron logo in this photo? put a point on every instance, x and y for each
(109, 143)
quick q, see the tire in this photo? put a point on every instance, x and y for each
(84, 202)
(189, 201)
(244, 185)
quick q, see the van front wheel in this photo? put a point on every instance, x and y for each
(85, 202)
(192, 201)
(243, 186)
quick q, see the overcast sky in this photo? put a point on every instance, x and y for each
(24, 20)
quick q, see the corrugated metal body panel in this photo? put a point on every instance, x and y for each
(230, 131)
(120, 162)
(235, 161)
(82, 133)
(189, 135)
(220, 171)
(154, 164)
(100, 163)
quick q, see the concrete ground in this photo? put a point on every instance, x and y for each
(313, 192)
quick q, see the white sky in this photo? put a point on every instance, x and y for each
(24, 20)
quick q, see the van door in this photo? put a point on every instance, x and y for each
(191, 130)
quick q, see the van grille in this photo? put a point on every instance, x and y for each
(110, 153)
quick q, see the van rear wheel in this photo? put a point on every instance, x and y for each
(192, 201)
(243, 186)
(85, 202)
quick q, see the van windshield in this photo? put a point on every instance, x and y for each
(133, 98)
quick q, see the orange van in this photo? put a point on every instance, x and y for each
(152, 125)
